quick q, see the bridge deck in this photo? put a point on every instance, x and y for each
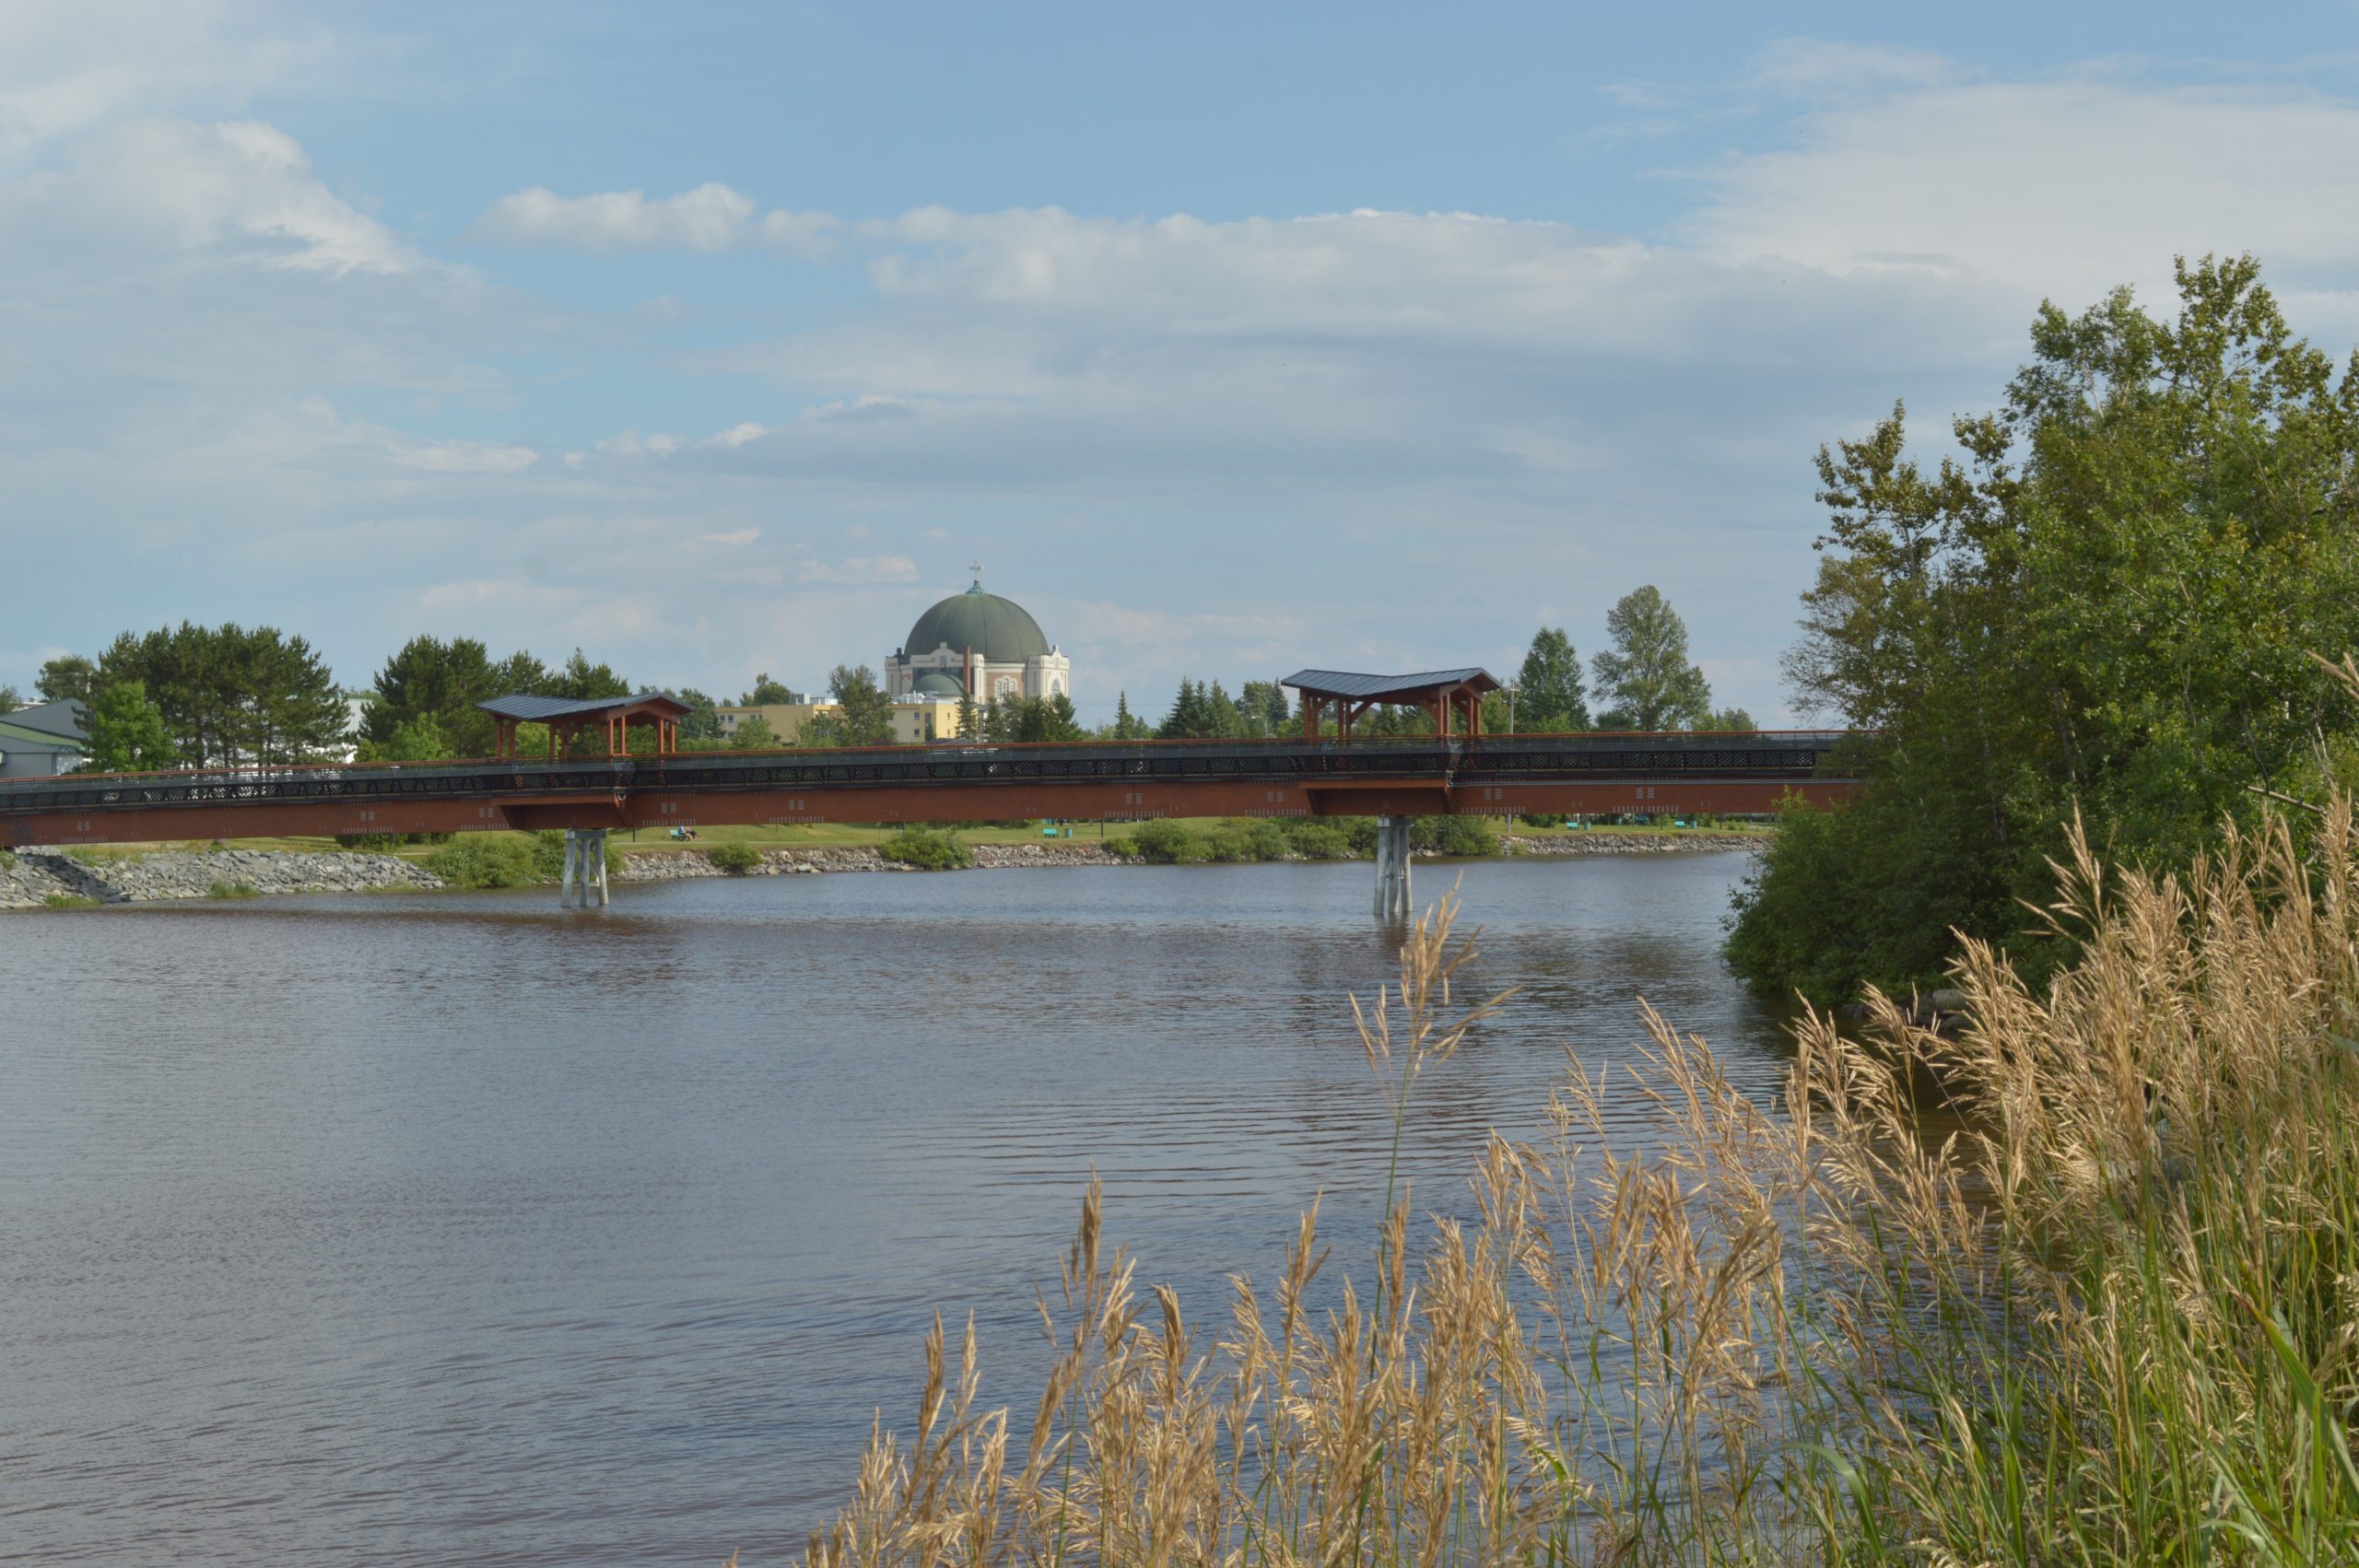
(1678, 772)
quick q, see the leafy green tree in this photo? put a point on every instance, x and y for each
(2106, 607)
(1032, 719)
(9, 700)
(754, 735)
(702, 721)
(1730, 720)
(864, 715)
(1548, 687)
(766, 693)
(68, 675)
(1645, 675)
(126, 732)
(419, 740)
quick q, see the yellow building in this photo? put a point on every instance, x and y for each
(914, 723)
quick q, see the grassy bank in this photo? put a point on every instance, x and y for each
(2100, 1304)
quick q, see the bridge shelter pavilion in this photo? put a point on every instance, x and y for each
(1452, 697)
(567, 718)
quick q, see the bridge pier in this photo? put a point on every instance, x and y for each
(585, 869)
(1392, 868)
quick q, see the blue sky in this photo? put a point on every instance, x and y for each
(719, 339)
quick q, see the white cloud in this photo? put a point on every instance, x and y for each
(736, 536)
(2063, 187)
(710, 218)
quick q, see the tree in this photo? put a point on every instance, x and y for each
(702, 721)
(1646, 672)
(230, 694)
(437, 681)
(1032, 719)
(1548, 687)
(416, 740)
(1730, 720)
(970, 720)
(864, 715)
(583, 681)
(1128, 726)
(766, 693)
(2106, 609)
(522, 675)
(1263, 709)
(754, 733)
(9, 700)
(68, 675)
(1192, 716)
(126, 732)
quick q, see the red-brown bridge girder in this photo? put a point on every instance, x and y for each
(1112, 800)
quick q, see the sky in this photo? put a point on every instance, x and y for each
(717, 340)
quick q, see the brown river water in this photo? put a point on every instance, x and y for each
(444, 1228)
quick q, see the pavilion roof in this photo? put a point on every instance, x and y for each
(1358, 687)
(524, 705)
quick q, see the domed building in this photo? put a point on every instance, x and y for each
(977, 644)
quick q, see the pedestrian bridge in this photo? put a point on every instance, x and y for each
(1677, 774)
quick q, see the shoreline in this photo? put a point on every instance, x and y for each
(53, 878)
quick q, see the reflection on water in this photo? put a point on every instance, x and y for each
(449, 1228)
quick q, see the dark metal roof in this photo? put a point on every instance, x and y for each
(999, 629)
(524, 705)
(1385, 689)
(67, 720)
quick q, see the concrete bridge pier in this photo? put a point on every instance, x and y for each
(1392, 868)
(585, 869)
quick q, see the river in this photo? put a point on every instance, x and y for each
(443, 1228)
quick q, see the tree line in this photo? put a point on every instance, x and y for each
(2105, 609)
(200, 697)
(1644, 676)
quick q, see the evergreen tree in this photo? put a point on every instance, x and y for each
(230, 694)
(1548, 687)
(431, 678)
(583, 681)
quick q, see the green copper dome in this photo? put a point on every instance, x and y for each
(936, 684)
(997, 630)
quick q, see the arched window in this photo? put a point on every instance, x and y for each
(1004, 686)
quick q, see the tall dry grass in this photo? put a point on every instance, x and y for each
(2098, 1307)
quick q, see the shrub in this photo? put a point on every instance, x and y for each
(69, 901)
(1161, 843)
(377, 841)
(1245, 839)
(1317, 840)
(1121, 846)
(928, 849)
(1458, 835)
(736, 860)
(1359, 832)
(232, 889)
(491, 859)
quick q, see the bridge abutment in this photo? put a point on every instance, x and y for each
(1392, 868)
(584, 881)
